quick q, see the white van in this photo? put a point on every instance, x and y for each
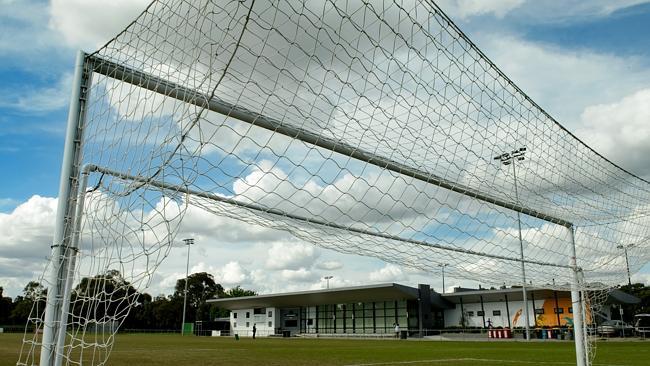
(642, 325)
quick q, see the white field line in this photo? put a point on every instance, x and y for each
(474, 360)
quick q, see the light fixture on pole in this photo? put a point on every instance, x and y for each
(442, 266)
(328, 278)
(627, 262)
(507, 159)
(188, 242)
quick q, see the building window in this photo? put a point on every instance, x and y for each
(310, 321)
(258, 311)
(270, 313)
(539, 311)
(496, 313)
(480, 313)
(559, 311)
(571, 310)
(248, 324)
(270, 325)
(234, 315)
(291, 323)
(248, 314)
(470, 313)
(234, 325)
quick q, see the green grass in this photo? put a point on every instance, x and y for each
(132, 350)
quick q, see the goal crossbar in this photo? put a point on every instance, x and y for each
(254, 207)
(155, 84)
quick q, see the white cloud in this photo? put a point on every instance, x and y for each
(22, 30)
(26, 238)
(30, 99)
(299, 275)
(389, 273)
(468, 8)
(27, 229)
(231, 274)
(536, 11)
(292, 256)
(329, 265)
(567, 11)
(643, 276)
(544, 71)
(621, 130)
(201, 224)
(8, 203)
(88, 24)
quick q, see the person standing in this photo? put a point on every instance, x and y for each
(254, 330)
(397, 330)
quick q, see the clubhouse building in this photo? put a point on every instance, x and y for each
(376, 309)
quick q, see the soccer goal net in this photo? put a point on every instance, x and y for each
(368, 127)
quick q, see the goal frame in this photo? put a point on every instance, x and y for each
(74, 176)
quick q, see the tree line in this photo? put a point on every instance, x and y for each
(110, 293)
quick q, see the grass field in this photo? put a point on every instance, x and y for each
(133, 350)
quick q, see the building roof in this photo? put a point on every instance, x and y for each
(619, 297)
(394, 291)
(488, 295)
(516, 294)
(385, 291)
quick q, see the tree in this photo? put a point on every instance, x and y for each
(141, 314)
(6, 306)
(217, 312)
(34, 296)
(200, 287)
(237, 291)
(106, 296)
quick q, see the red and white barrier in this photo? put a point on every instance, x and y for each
(499, 333)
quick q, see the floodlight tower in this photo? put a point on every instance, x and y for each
(442, 267)
(328, 278)
(188, 242)
(507, 159)
(627, 261)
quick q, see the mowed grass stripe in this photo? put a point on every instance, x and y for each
(159, 349)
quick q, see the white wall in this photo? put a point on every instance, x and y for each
(265, 325)
(453, 316)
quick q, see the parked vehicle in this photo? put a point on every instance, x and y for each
(642, 325)
(615, 328)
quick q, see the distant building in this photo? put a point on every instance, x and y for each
(375, 309)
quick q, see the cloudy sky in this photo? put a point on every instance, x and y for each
(586, 63)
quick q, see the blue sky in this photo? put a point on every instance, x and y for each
(576, 59)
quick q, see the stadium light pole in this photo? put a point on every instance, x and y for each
(442, 266)
(627, 261)
(507, 159)
(188, 242)
(328, 278)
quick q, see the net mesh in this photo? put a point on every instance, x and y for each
(364, 127)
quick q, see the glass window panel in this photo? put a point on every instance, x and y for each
(358, 310)
(402, 321)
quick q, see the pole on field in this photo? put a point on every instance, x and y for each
(627, 262)
(442, 267)
(578, 309)
(188, 242)
(60, 266)
(60, 341)
(507, 159)
(328, 278)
